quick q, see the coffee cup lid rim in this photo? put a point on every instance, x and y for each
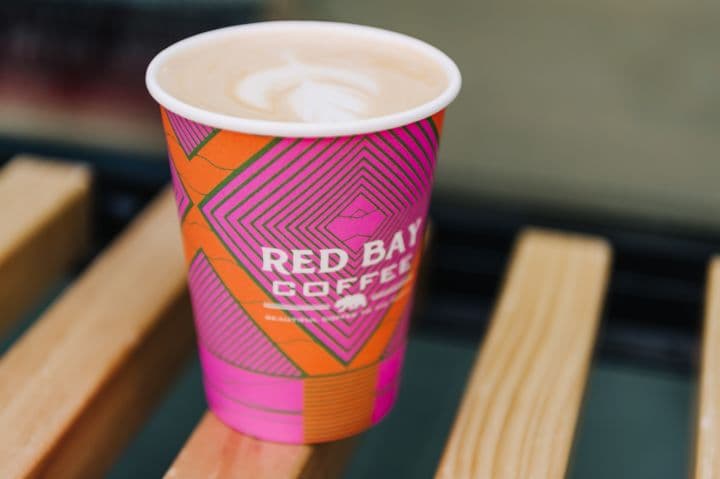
(302, 129)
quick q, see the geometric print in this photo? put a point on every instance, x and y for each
(182, 199)
(226, 330)
(326, 193)
(191, 136)
(276, 366)
(237, 193)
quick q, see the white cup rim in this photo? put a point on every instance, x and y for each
(300, 129)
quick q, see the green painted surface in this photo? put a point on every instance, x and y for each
(635, 424)
(152, 451)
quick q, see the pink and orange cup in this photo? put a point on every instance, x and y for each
(303, 243)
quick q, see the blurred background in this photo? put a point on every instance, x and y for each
(598, 116)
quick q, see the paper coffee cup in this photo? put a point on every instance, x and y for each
(303, 243)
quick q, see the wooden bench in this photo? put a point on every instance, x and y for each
(77, 386)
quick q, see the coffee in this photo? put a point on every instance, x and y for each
(302, 157)
(302, 76)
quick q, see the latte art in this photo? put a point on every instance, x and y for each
(314, 93)
(302, 77)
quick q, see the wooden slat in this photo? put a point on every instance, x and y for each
(707, 450)
(215, 451)
(518, 413)
(43, 228)
(79, 383)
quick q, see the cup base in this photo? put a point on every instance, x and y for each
(305, 410)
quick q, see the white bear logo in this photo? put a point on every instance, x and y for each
(351, 302)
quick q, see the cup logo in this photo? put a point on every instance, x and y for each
(350, 289)
(351, 302)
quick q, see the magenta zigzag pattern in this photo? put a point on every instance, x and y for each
(182, 199)
(226, 330)
(327, 193)
(188, 133)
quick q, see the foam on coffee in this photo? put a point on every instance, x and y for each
(302, 76)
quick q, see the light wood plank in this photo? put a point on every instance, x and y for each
(44, 228)
(79, 383)
(518, 413)
(707, 449)
(216, 451)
